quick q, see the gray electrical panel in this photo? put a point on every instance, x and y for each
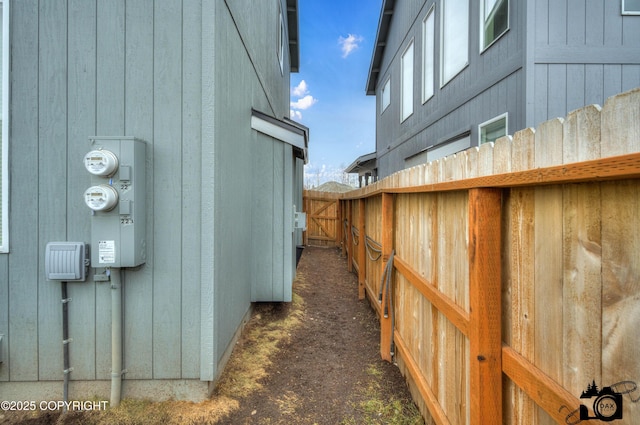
(66, 261)
(117, 199)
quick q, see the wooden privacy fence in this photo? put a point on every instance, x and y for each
(514, 272)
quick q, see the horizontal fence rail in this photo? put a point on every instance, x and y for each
(507, 277)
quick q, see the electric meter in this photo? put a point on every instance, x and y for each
(101, 198)
(101, 163)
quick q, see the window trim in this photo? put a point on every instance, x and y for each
(4, 142)
(628, 12)
(281, 38)
(428, 94)
(443, 78)
(409, 81)
(482, 24)
(504, 116)
(386, 85)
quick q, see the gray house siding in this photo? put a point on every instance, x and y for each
(554, 58)
(584, 52)
(183, 76)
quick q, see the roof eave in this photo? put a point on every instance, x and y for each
(386, 13)
(292, 25)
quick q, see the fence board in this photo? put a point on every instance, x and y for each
(566, 262)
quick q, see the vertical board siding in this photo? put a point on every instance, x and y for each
(52, 137)
(167, 174)
(22, 276)
(148, 70)
(81, 122)
(191, 175)
(138, 286)
(557, 56)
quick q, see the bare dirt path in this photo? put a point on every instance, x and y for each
(329, 371)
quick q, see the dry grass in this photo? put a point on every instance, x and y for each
(269, 326)
(259, 345)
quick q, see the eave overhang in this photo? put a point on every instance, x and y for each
(384, 23)
(285, 130)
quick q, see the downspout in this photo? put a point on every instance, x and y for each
(116, 336)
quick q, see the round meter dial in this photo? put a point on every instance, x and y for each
(101, 163)
(101, 198)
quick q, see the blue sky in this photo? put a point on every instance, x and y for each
(328, 94)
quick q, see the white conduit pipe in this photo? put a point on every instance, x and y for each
(116, 337)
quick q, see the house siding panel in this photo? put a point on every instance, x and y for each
(137, 68)
(555, 57)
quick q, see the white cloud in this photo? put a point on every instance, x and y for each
(304, 103)
(349, 44)
(300, 90)
(295, 115)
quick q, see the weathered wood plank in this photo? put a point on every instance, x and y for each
(387, 247)
(548, 272)
(582, 265)
(621, 289)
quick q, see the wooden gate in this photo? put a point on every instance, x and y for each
(323, 222)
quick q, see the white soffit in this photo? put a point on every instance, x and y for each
(278, 130)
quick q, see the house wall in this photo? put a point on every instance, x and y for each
(183, 77)
(584, 52)
(491, 84)
(556, 57)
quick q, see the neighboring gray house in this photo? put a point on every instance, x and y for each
(451, 74)
(205, 85)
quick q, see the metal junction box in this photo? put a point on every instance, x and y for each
(66, 261)
(117, 198)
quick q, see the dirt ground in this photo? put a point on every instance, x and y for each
(313, 361)
(330, 368)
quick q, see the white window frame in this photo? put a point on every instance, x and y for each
(628, 12)
(483, 45)
(500, 117)
(385, 95)
(281, 37)
(406, 82)
(429, 54)
(4, 143)
(462, 30)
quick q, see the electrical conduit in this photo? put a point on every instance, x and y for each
(116, 336)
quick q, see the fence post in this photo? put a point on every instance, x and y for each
(387, 248)
(339, 225)
(485, 338)
(349, 236)
(362, 262)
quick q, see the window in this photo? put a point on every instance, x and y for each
(455, 38)
(495, 20)
(4, 133)
(407, 83)
(385, 97)
(631, 7)
(492, 130)
(281, 37)
(428, 55)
